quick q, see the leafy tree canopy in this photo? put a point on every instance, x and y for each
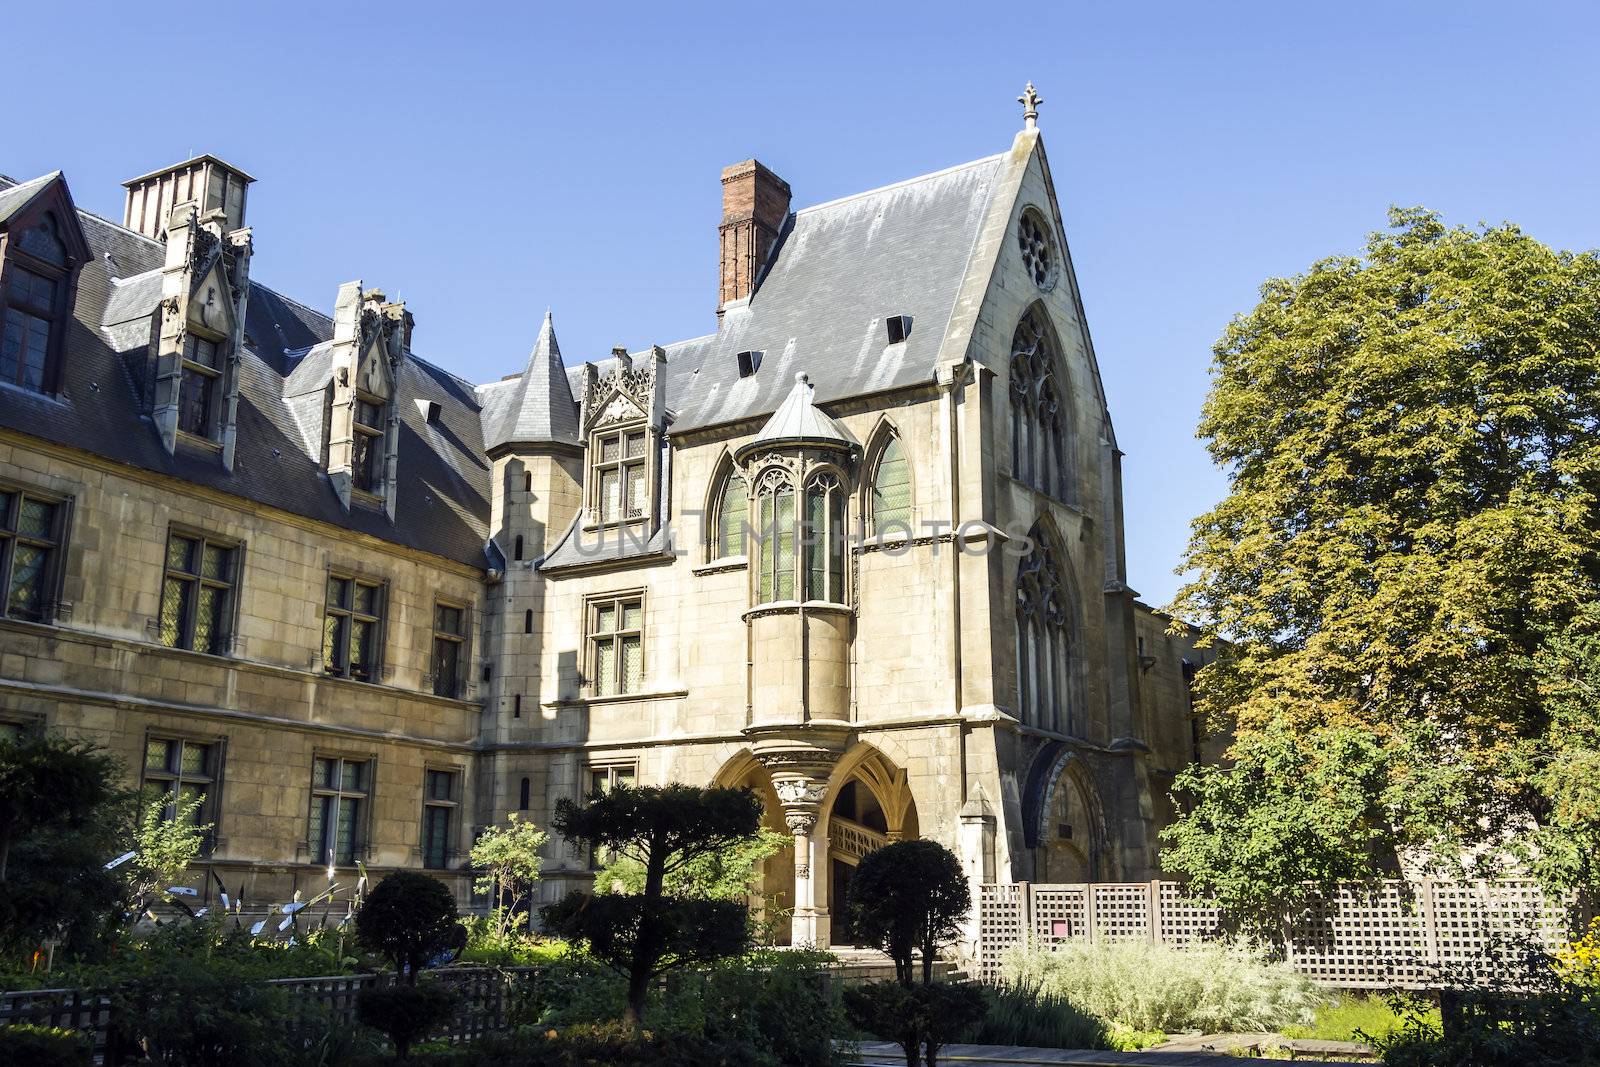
(410, 918)
(1411, 442)
(508, 859)
(727, 874)
(909, 896)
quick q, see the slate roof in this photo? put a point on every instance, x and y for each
(536, 407)
(798, 419)
(839, 271)
(443, 496)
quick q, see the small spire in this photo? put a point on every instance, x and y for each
(1030, 101)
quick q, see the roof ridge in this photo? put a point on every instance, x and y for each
(903, 182)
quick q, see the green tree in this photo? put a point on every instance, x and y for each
(165, 846)
(907, 899)
(50, 783)
(1566, 770)
(663, 828)
(508, 861)
(1412, 441)
(727, 874)
(410, 918)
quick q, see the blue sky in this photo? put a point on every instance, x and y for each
(568, 155)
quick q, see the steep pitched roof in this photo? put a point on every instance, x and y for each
(17, 197)
(443, 502)
(839, 270)
(535, 407)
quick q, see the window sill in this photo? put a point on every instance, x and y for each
(797, 607)
(723, 565)
(618, 698)
(602, 528)
(204, 444)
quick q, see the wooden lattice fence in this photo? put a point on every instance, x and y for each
(1394, 934)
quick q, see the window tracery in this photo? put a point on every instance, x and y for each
(1043, 641)
(1038, 424)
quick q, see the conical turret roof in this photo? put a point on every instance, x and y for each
(798, 420)
(541, 409)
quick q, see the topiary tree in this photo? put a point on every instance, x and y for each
(410, 918)
(664, 828)
(406, 1014)
(906, 899)
(909, 897)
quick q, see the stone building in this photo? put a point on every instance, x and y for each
(859, 547)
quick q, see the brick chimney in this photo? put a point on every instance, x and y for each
(755, 203)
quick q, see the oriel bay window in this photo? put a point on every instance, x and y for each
(616, 644)
(439, 802)
(815, 536)
(31, 532)
(366, 448)
(620, 474)
(449, 649)
(352, 628)
(201, 385)
(197, 594)
(183, 774)
(340, 789)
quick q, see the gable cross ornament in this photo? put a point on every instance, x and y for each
(1030, 101)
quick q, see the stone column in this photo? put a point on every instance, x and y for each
(977, 840)
(801, 798)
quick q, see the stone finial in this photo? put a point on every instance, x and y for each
(1030, 101)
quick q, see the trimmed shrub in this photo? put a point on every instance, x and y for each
(1217, 987)
(1026, 1015)
(921, 1019)
(411, 919)
(406, 1014)
(45, 1046)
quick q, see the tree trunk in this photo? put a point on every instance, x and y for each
(5, 856)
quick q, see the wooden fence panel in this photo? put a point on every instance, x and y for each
(1393, 934)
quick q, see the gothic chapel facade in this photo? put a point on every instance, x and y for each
(860, 548)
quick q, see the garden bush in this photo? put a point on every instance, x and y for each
(410, 918)
(1028, 1016)
(921, 1019)
(406, 1014)
(609, 1045)
(1139, 986)
(45, 1046)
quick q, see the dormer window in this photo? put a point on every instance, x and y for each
(619, 472)
(31, 319)
(366, 460)
(202, 371)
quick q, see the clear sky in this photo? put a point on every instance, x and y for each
(483, 161)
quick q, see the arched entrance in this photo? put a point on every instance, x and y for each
(1064, 827)
(865, 805)
(869, 805)
(774, 884)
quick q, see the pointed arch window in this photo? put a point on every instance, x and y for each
(775, 537)
(891, 490)
(1038, 421)
(1043, 640)
(731, 518)
(823, 536)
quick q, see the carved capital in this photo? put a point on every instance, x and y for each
(800, 792)
(800, 822)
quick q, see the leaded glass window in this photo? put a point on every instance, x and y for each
(620, 474)
(197, 594)
(182, 773)
(823, 536)
(775, 538)
(351, 628)
(449, 649)
(891, 491)
(439, 801)
(1043, 640)
(733, 515)
(1038, 427)
(340, 789)
(616, 645)
(30, 552)
(31, 316)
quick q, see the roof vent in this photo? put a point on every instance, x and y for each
(430, 411)
(749, 363)
(899, 328)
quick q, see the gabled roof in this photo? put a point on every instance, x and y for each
(839, 270)
(798, 420)
(19, 196)
(537, 406)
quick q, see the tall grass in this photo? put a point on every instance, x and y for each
(1217, 987)
(1026, 1015)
